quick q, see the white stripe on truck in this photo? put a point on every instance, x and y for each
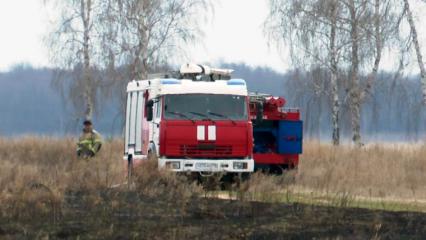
(211, 133)
(201, 133)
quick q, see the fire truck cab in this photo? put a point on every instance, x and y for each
(196, 120)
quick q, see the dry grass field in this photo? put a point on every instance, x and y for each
(53, 163)
(392, 171)
(46, 192)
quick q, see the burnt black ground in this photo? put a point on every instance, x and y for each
(128, 215)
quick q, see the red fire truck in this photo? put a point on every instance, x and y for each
(196, 120)
(201, 120)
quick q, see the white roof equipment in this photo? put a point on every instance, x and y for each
(191, 68)
(199, 72)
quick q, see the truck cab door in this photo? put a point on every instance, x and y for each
(155, 125)
(136, 129)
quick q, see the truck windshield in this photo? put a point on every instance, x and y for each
(205, 106)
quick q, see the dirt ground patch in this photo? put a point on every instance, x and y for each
(129, 215)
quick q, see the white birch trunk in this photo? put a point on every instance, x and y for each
(354, 91)
(335, 109)
(333, 79)
(417, 48)
(379, 47)
(144, 67)
(140, 62)
(86, 7)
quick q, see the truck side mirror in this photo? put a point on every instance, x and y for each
(149, 112)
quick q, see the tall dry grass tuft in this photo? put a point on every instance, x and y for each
(151, 181)
(265, 187)
(375, 170)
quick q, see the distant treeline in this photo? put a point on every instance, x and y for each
(29, 104)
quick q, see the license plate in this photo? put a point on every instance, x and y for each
(206, 166)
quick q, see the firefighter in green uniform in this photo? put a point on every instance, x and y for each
(90, 141)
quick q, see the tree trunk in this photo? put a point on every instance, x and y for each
(379, 46)
(140, 63)
(356, 117)
(335, 109)
(417, 48)
(144, 67)
(333, 79)
(354, 91)
(85, 15)
(135, 66)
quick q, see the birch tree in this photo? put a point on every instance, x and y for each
(311, 29)
(354, 91)
(414, 38)
(148, 30)
(373, 25)
(119, 40)
(72, 49)
(338, 35)
(334, 71)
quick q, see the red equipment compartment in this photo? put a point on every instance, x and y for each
(272, 127)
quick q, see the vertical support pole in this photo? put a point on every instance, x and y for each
(129, 170)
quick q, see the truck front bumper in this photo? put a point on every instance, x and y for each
(207, 165)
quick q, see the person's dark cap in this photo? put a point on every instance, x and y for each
(87, 122)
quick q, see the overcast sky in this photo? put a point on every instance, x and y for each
(234, 35)
(22, 25)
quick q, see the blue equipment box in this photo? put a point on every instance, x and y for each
(290, 137)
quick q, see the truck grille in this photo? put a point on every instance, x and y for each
(207, 150)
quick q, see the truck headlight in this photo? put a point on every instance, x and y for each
(173, 165)
(240, 165)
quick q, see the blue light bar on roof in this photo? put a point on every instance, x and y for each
(240, 82)
(170, 81)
